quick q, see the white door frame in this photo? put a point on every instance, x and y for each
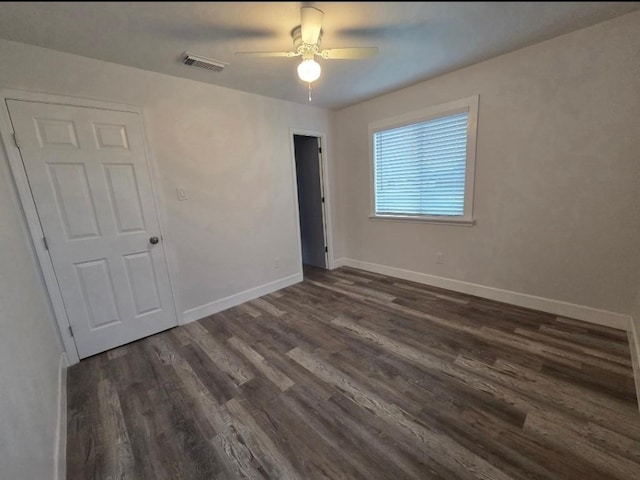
(31, 213)
(324, 187)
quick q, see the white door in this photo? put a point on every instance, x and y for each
(89, 177)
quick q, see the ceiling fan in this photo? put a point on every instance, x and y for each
(306, 44)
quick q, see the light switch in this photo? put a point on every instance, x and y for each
(181, 193)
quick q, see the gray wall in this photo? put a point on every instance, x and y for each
(235, 189)
(557, 173)
(229, 150)
(29, 350)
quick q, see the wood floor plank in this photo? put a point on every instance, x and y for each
(228, 446)
(248, 309)
(355, 445)
(573, 346)
(267, 307)
(154, 456)
(220, 386)
(616, 347)
(278, 378)
(598, 330)
(479, 441)
(118, 461)
(610, 464)
(620, 387)
(574, 400)
(351, 375)
(555, 352)
(262, 446)
(489, 335)
(310, 454)
(235, 368)
(423, 291)
(240, 460)
(452, 455)
(546, 460)
(83, 421)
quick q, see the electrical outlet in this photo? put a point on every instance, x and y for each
(276, 263)
(439, 257)
(181, 193)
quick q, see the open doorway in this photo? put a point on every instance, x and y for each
(308, 157)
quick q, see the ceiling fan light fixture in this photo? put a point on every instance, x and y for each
(306, 44)
(309, 70)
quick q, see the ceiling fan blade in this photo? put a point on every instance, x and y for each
(268, 54)
(310, 24)
(352, 53)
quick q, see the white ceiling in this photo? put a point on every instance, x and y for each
(416, 40)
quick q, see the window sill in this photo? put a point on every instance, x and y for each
(417, 219)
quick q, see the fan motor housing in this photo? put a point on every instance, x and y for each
(296, 34)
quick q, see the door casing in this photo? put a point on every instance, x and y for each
(31, 214)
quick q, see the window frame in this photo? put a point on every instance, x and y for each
(468, 104)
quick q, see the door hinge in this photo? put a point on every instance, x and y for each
(322, 199)
(319, 149)
(326, 249)
(71, 331)
(15, 140)
(46, 244)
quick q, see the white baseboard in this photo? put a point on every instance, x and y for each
(634, 343)
(556, 307)
(216, 306)
(339, 262)
(60, 448)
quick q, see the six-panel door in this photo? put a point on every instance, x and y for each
(88, 173)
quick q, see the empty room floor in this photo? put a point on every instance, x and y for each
(353, 375)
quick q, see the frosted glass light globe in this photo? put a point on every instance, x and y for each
(309, 70)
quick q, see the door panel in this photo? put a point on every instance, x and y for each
(56, 133)
(89, 177)
(142, 280)
(125, 197)
(96, 286)
(73, 199)
(110, 136)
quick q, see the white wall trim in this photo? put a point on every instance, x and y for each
(60, 447)
(216, 306)
(634, 344)
(556, 307)
(341, 262)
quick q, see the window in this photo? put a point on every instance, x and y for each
(423, 164)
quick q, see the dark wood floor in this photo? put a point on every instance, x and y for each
(352, 375)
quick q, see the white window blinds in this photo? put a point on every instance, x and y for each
(420, 169)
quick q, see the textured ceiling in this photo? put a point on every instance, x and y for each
(416, 40)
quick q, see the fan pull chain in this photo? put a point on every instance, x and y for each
(309, 91)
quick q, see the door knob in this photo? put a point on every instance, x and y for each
(154, 240)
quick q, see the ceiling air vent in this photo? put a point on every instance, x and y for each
(203, 62)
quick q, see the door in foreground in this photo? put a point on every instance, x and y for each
(88, 173)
